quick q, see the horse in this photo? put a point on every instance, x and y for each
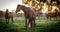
(39, 14)
(8, 15)
(52, 15)
(29, 14)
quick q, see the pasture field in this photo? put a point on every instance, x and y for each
(42, 25)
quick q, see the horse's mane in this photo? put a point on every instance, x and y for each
(25, 6)
(28, 7)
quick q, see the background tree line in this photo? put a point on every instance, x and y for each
(37, 4)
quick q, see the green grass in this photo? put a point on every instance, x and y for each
(42, 25)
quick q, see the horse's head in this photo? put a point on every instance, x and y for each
(18, 8)
(7, 10)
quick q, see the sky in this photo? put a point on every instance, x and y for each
(9, 4)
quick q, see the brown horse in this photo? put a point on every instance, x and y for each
(29, 13)
(52, 15)
(8, 15)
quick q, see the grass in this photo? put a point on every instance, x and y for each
(42, 25)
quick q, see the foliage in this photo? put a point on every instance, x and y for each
(37, 4)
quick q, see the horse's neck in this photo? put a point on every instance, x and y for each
(7, 12)
(24, 9)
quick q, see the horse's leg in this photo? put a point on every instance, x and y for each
(51, 17)
(47, 18)
(28, 25)
(56, 17)
(8, 21)
(31, 24)
(31, 21)
(26, 22)
(12, 20)
(34, 25)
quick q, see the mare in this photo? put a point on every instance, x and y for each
(29, 13)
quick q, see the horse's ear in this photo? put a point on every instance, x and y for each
(19, 5)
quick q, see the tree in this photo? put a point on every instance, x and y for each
(37, 4)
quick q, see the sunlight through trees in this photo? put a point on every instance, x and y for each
(39, 5)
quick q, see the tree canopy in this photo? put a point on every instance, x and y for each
(38, 4)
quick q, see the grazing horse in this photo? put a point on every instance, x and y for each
(51, 15)
(29, 13)
(8, 15)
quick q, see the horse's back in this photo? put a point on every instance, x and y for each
(51, 14)
(33, 11)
